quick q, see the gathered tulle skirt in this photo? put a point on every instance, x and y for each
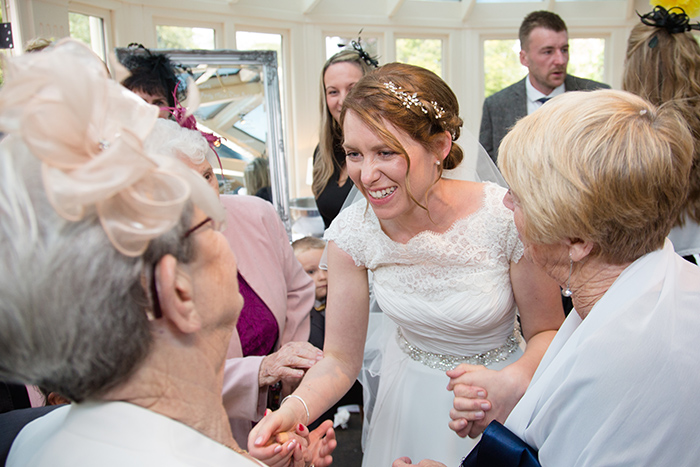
(410, 411)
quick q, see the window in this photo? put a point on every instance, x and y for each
(187, 38)
(90, 30)
(426, 53)
(587, 58)
(260, 41)
(255, 122)
(502, 62)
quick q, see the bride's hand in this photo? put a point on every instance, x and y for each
(481, 396)
(284, 450)
(273, 423)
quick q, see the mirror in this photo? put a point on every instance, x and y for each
(240, 102)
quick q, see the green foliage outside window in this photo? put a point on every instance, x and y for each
(501, 65)
(79, 27)
(587, 58)
(426, 53)
(175, 37)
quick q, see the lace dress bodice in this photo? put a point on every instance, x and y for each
(449, 292)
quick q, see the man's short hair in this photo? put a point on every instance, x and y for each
(539, 19)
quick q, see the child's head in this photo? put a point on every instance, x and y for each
(308, 251)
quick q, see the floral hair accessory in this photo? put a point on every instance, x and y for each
(184, 116)
(88, 133)
(674, 21)
(410, 100)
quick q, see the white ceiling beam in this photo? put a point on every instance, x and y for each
(393, 7)
(308, 6)
(467, 8)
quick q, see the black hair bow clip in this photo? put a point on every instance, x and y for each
(674, 20)
(367, 58)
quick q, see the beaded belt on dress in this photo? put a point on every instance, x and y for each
(446, 362)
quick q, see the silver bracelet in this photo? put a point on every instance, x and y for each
(306, 407)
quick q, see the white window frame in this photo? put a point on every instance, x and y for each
(106, 17)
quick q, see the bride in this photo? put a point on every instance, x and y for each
(448, 271)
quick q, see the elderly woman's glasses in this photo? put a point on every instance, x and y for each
(157, 312)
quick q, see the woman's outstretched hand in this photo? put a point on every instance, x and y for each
(298, 448)
(282, 420)
(284, 450)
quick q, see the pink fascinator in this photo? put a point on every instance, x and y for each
(88, 132)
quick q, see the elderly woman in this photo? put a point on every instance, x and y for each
(597, 181)
(133, 295)
(269, 344)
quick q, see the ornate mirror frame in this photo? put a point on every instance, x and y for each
(274, 142)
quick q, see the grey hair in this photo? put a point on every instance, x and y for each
(73, 310)
(170, 139)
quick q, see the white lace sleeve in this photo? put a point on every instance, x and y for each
(351, 231)
(513, 246)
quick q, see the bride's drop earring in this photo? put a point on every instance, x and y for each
(437, 162)
(567, 291)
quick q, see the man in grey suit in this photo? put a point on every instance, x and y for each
(544, 43)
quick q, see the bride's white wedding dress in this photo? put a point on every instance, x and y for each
(449, 297)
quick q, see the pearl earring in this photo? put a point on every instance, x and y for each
(567, 291)
(437, 162)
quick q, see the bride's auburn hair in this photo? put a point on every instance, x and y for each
(414, 100)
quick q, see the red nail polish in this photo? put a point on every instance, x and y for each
(301, 427)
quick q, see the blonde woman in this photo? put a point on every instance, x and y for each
(330, 176)
(663, 67)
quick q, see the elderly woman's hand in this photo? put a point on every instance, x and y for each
(481, 396)
(288, 364)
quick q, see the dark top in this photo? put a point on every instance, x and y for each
(318, 325)
(13, 396)
(331, 199)
(264, 193)
(12, 422)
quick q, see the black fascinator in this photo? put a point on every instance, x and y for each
(357, 45)
(153, 73)
(674, 20)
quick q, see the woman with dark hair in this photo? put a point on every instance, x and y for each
(154, 78)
